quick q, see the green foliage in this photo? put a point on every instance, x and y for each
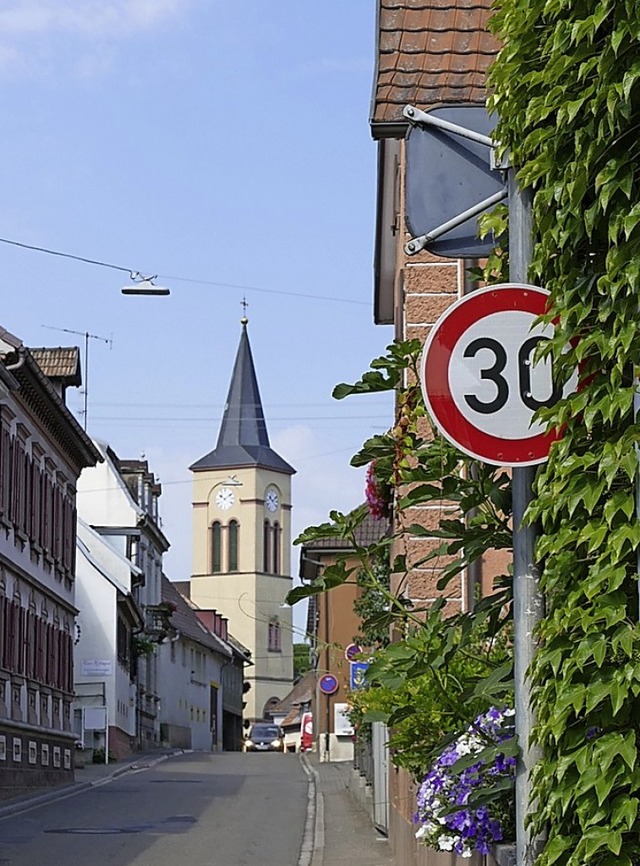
(566, 86)
(301, 659)
(371, 606)
(441, 671)
(428, 686)
(143, 646)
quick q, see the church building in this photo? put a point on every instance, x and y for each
(241, 523)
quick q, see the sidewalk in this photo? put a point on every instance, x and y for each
(344, 833)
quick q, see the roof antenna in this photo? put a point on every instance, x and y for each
(87, 336)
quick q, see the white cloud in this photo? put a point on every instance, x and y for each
(97, 18)
(324, 481)
(39, 36)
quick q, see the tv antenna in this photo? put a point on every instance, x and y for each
(87, 336)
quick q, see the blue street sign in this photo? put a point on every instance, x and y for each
(358, 675)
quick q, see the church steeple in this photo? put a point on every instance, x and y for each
(243, 439)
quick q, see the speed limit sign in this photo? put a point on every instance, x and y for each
(479, 379)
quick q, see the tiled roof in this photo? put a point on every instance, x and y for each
(369, 532)
(429, 52)
(302, 693)
(184, 619)
(62, 362)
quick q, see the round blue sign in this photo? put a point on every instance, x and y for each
(352, 651)
(328, 684)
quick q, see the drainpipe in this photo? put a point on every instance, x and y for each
(20, 363)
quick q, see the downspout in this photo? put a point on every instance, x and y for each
(20, 363)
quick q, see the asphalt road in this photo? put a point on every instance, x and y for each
(197, 809)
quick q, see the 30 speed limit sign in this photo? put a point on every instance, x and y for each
(479, 380)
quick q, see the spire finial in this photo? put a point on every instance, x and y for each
(244, 320)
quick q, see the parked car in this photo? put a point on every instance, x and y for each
(264, 737)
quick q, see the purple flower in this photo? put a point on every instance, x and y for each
(464, 829)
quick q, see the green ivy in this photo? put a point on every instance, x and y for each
(566, 87)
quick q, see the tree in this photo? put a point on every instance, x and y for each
(301, 659)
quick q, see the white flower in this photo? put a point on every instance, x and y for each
(446, 843)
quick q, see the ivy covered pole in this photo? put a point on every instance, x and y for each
(527, 598)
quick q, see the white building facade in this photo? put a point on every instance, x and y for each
(105, 655)
(191, 665)
(119, 500)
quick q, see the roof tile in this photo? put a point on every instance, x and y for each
(59, 363)
(430, 52)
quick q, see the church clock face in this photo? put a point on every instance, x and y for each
(225, 498)
(271, 500)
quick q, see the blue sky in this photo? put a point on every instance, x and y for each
(224, 147)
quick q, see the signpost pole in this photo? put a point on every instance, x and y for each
(527, 598)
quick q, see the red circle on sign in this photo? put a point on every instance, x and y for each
(328, 684)
(435, 374)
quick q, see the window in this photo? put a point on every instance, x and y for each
(216, 548)
(122, 642)
(233, 545)
(276, 548)
(266, 547)
(274, 645)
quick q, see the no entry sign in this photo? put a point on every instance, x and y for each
(479, 380)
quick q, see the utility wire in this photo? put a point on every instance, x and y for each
(134, 273)
(67, 256)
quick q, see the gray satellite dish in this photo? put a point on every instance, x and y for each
(449, 180)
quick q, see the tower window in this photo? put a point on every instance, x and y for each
(233, 545)
(274, 644)
(276, 548)
(216, 548)
(266, 547)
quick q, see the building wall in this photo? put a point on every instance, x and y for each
(132, 529)
(337, 625)
(37, 604)
(96, 651)
(426, 286)
(190, 682)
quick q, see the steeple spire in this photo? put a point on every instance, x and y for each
(243, 439)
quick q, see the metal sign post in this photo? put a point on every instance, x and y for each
(527, 598)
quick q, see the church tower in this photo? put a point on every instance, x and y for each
(241, 521)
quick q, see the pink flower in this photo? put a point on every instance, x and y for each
(377, 494)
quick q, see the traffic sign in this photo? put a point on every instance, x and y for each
(328, 684)
(479, 381)
(352, 651)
